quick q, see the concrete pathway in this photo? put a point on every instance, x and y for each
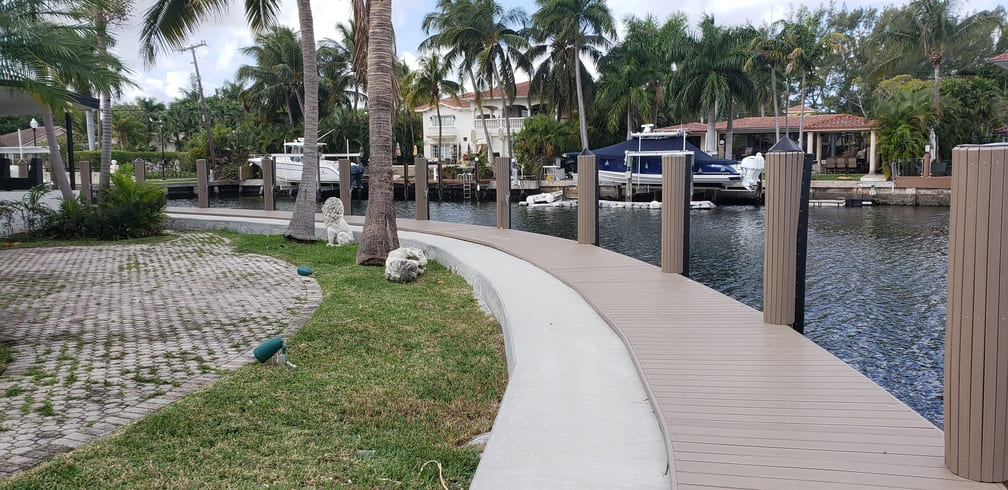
(575, 413)
(106, 334)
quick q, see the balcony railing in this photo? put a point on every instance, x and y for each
(494, 124)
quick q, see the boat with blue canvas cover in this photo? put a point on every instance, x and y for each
(638, 161)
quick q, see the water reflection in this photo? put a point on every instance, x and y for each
(875, 291)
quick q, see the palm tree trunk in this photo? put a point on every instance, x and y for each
(937, 106)
(629, 117)
(711, 146)
(580, 97)
(101, 23)
(507, 122)
(59, 173)
(729, 130)
(380, 235)
(437, 110)
(801, 116)
(300, 100)
(302, 222)
(776, 109)
(479, 105)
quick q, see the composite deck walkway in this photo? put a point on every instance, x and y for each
(742, 404)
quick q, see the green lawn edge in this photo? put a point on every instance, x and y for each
(408, 371)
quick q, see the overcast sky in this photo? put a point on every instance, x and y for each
(225, 37)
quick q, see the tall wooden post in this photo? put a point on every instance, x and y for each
(139, 170)
(502, 174)
(422, 197)
(344, 185)
(202, 199)
(786, 231)
(269, 182)
(587, 185)
(976, 328)
(675, 227)
(85, 181)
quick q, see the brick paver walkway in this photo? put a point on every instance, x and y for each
(106, 334)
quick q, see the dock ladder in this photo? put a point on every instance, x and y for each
(467, 185)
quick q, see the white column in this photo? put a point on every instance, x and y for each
(808, 144)
(872, 155)
(818, 147)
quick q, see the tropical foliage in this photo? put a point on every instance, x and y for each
(541, 140)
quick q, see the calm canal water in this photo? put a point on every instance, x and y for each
(876, 279)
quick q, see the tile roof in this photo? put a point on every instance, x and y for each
(464, 100)
(1000, 57)
(11, 139)
(820, 122)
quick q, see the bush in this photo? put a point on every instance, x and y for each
(29, 214)
(130, 210)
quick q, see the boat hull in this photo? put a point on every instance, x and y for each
(289, 172)
(724, 179)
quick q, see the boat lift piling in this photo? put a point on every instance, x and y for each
(344, 185)
(421, 191)
(202, 187)
(268, 173)
(677, 181)
(786, 233)
(588, 194)
(502, 174)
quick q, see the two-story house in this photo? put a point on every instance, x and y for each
(462, 125)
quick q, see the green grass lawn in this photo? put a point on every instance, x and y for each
(410, 372)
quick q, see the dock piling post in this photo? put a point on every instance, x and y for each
(85, 181)
(344, 185)
(421, 179)
(202, 199)
(976, 332)
(502, 174)
(786, 231)
(587, 185)
(139, 170)
(677, 176)
(268, 184)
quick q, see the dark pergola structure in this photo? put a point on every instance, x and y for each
(17, 101)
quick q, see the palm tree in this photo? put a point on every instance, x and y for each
(108, 13)
(380, 235)
(768, 51)
(426, 86)
(807, 49)
(166, 25)
(576, 28)
(277, 77)
(43, 58)
(935, 26)
(481, 36)
(503, 51)
(709, 72)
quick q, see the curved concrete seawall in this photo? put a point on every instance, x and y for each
(575, 413)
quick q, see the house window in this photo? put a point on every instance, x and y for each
(449, 150)
(445, 120)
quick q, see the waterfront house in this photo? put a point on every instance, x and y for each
(462, 125)
(841, 143)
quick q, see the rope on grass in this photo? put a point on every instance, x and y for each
(439, 472)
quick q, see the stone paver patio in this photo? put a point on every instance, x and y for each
(106, 334)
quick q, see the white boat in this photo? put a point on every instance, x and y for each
(637, 161)
(289, 163)
(545, 199)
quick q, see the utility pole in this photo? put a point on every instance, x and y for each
(206, 114)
